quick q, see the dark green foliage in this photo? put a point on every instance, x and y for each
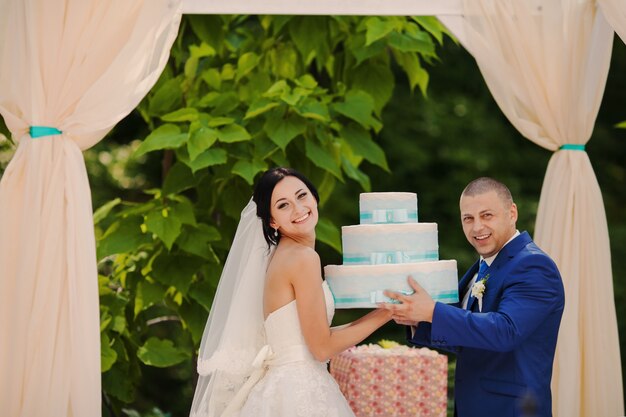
(240, 94)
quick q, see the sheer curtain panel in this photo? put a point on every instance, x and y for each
(546, 63)
(69, 71)
(615, 13)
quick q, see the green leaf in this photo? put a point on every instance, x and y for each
(359, 106)
(210, 157)
(432, 25)
(292, 97)
(166, 228)
(282, 130)
(264, 148)
(183, 211)
(413, 69)
(176, 270)
(313, 109)
(246, 63)
(356, 174)
(203, 292)
(377, 80)
(226, 103)
(621, 125)
(116, 382)
(309, 34)
(107, 355)
(228, 72)
(362, 52)
(248, 169)
(418, 42)
(277, 89)
(119, 324)
(208, 28)
(196, 241)
(361, 143)
(326, 187)
(194, 317)
(191, 67)
(201, 140)
(307, 81)
(210, 99)
(166, 98)
(161, 353)
(147, 295)
(167, 136)
(377, 29)
(233, 133)
(103, 211)
(322, 158)
(201, 51)
(179, 178)
(187, 114)
(122, 236)
(213, 78)
(220, 121)
(283, 61)
(105, 320)
(260, 106)
(328, 233)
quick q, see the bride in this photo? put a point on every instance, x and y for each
(267, 338)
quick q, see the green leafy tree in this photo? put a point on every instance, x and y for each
(239, 95)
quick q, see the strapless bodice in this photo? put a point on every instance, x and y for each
(282, 326)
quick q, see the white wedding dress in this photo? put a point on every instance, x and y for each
(294, 383)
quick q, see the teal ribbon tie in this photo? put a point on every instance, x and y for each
(572, 147)
(41, 131)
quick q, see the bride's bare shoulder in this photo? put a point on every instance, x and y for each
(295, 257)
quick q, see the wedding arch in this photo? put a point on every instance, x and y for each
(71, 69)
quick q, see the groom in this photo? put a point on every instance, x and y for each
(505, 328)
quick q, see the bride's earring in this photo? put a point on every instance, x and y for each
(275, 232)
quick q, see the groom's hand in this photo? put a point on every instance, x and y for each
(414, 308)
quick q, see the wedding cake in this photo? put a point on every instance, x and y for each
(384, 249)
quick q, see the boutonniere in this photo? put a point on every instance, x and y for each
(479, 289)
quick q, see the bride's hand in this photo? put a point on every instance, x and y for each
(413, 308)
(386, 313)
(405, 322)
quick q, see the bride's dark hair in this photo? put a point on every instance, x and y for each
(263, 197)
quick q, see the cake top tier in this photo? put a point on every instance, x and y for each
(388, 196)
(380, 208)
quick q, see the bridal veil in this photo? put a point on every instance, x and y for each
(234, 332)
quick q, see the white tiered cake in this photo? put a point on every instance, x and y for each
(388, 246)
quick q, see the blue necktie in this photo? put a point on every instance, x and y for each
(482, 268)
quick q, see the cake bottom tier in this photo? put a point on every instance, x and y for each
(362, 286)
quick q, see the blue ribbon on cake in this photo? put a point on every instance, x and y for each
(389, 257)
(386, 216)
(379, 297)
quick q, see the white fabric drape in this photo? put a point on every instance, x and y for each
(615, 13)
(79, 66)
(546, 64)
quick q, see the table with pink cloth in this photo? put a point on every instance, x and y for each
(398, 381)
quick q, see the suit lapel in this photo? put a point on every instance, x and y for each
(466, 279)
(505, 254)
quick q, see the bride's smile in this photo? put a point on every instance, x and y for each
(303, 218)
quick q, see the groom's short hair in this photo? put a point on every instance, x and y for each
(486, 184)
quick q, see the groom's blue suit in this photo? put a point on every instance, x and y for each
(506, 352)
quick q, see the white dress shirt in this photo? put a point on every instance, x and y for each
(488, 260)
